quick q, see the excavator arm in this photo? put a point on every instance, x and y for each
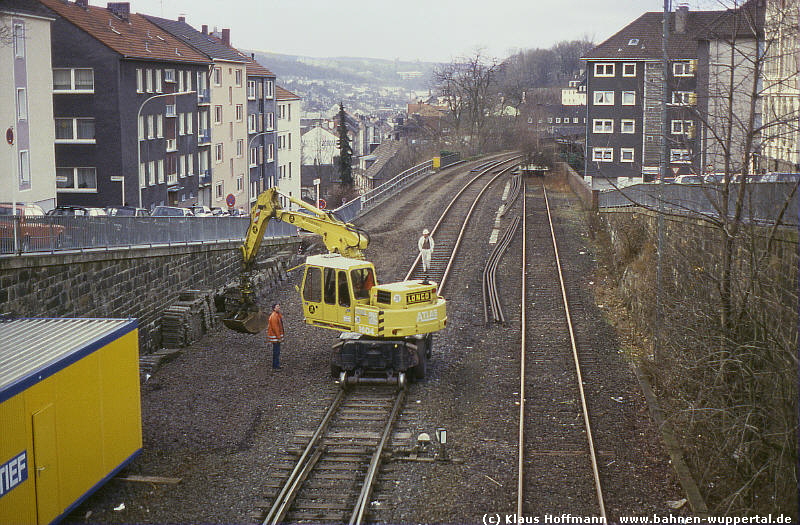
(338, 236)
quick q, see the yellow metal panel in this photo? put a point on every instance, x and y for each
(17, 503)
(437, 162)
(122, 409)
(45, 465)
(80, 446)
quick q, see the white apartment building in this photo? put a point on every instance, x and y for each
(229, 134)
(27, 155)
(289, 143)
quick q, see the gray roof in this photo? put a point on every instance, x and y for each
(34, 349)
(641, 39)
(206, 44)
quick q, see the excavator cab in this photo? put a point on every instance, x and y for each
(333, 286)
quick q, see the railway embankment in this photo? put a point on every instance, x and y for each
(713, 324)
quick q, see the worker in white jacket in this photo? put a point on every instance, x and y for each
(425, 245)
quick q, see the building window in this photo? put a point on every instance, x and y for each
(628, 70)
(683, 97)
(604, 70)
(682, 69)
(217, 76)
(19, 40)
(574, 120)
(269, 89)
(626, 155)
(270, 152)
(149, 80)
(218, 153)
(238, 77)
(270, 121)
(220, 189)
(25, 167)
(680, 156)
(240, 183)
(558, 120)
(78, 130)
(158, 81)
(253, 157)
(681, 127)
(603, 125)
(240, 148)
(77, 179)
(628, 98)
(603, 98)
(139, 81)
(239, 112)
(80, 80)
(627, 126)
(169, 77)
(217, 114)
(251, 123)
(603, 154)
(22, 104)
(160, 168)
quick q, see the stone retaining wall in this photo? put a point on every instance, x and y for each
(136, 283)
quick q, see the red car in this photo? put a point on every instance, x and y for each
(35, 232)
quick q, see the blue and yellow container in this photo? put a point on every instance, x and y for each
(70, 412)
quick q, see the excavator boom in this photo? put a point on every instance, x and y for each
(339, 237)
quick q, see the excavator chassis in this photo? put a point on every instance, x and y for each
(368, 360)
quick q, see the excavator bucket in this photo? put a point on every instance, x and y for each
(247, 321)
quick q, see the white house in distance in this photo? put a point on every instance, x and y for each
(289, 143)
(319, 146)
(27, 124)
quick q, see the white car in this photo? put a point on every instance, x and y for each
(201, 211)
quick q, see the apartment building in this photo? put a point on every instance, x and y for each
(27, 123)
(119, 110)
(289, 142)
(262, 134)
(227, 159)
(781, 140)
(625, 86)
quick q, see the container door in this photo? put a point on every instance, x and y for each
(45, 458)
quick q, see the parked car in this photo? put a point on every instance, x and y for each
(714, 178)
(218, 212)
(76, 211)
(781, 177)
(127, 211)
(201, 211)
(34, 230)
(688, 179)
(171, 211)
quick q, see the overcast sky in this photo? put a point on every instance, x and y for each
(428, 30)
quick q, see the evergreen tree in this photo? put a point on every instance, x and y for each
(345, 151)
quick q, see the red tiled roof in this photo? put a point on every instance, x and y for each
(252, 67)
(136, 38)
(285, 94)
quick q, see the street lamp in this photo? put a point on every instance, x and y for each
(316, 185)
(139, 141)
(250, 143)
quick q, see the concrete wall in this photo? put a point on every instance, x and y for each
(136, 283)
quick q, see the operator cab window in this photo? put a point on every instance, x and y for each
(330, 286)
(344, 289)
(312, 288)
(363, 280)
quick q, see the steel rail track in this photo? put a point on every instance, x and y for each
(491, 295)
(575, 360)
(449, 229)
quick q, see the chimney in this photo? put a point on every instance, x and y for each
(681, 16)
(204, 30)
(82, 3)
(121, 10)
(182, 19)
(226, 37)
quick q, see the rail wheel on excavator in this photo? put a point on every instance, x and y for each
(386, 329)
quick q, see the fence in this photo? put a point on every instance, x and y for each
(58, 233)
(54, 234)
(361, 204)
(763, 202)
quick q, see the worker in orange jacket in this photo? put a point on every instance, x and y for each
(275, 334)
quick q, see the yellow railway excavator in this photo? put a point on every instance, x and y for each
(387, 329)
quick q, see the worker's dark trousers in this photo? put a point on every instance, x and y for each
(276, 355)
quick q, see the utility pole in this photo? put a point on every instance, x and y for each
(663, 167)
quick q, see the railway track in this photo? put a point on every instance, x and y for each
(449, 229)
(555, 433)
(334, 468)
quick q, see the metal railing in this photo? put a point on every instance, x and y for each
(350, 210)
(60, 234)
(763, 201)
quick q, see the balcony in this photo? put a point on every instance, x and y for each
(205, 178)
(203, 96)
(170, 111)
(204, 137)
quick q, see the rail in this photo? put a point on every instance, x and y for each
(46, 234)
